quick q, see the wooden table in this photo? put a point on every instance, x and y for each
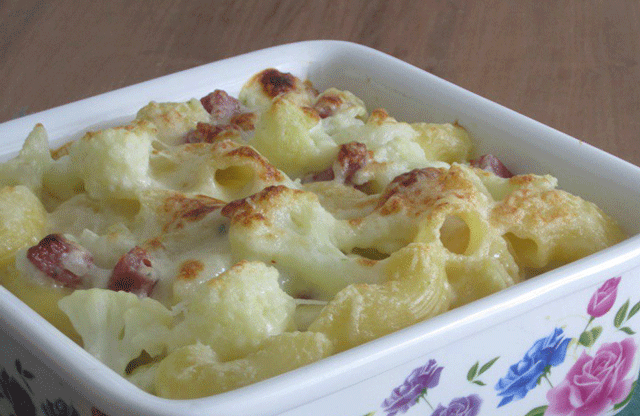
(573, 65)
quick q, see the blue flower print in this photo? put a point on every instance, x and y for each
(524, 375)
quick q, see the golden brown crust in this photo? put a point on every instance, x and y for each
(419, 187)
(61, 151)
(189, 270)
(275, 82)
(267, 173)
(181, 209)
(243, 211)
(209, 133)
(327, 104)
(246, 121)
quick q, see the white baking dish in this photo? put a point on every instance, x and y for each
(463, 354)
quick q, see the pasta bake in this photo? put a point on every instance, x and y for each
(210, 244)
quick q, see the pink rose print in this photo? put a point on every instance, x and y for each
(604, 298)
(596, 383)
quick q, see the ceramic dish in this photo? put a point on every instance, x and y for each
(564, 341)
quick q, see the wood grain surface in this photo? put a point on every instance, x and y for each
(573, 65)
(570, 64)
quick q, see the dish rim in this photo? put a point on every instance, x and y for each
(73, 362)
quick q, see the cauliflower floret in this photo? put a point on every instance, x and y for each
(114, 163)
(234, 312)
(117, 327)
(259, 91)
(29, 166)
(290, 229)
(22, 220)
(379, 130)
(61, 182)
(339, 110)
(293, 139)
(174, 120)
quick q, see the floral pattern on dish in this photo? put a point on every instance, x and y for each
(413, 389)
(526, 374)
(461, 406)
(18, 395)
(595, 384)
(599, 381)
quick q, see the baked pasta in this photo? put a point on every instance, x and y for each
(213, 243)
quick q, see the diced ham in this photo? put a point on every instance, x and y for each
(133, 273)
(228, 117)
(492, 164)
(351, 157)
(321, 176)
(221, 105)
(61, 259)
